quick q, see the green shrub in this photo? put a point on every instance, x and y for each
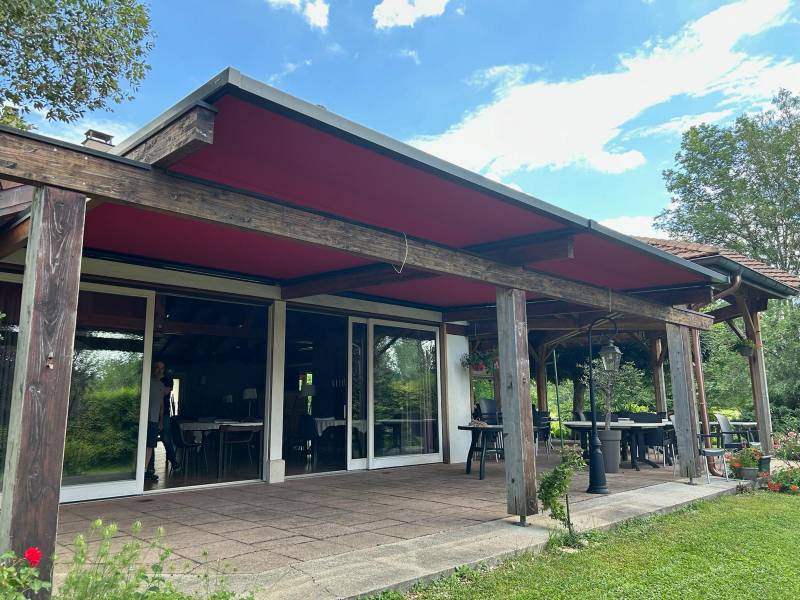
(553, 485)
(106, 575)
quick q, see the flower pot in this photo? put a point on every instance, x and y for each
(748, 473)
(610, 439)
(764, 464)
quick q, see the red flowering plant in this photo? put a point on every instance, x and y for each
(785, 480)
(19, 577)
(744, 458)
(786, 447)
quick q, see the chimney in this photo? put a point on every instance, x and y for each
(97, 140)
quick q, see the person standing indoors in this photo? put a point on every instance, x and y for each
(155, 415)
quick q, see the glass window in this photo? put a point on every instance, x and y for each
(105, 390)
(406, 392)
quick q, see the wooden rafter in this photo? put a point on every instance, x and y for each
(538, 308)
(187, 134)
(29, 159)
(15, 200)
(516, 252)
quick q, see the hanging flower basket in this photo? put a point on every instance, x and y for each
(479, 361)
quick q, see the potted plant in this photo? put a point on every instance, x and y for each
(744, 347)
(745, 463)
(479, 361)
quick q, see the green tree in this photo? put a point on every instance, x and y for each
(62, 58)
(738, 186)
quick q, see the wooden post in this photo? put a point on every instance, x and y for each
(659, 384)
(541, 378)
(758, 372)
(702, 407)
(683, 400)
(515, 391)
(40, 395)
(758, 375)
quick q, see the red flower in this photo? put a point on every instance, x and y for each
(774, 486)
(33, 555)
(794, 487)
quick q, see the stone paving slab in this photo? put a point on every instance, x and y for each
(401, 564)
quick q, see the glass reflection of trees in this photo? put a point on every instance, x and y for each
(103, 421)
(406, 392)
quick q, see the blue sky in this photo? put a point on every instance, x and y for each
(579, 103)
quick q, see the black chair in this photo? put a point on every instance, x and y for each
(187, 448)
(653, 438)
(489, 413)
(541, 430)
(491, 416)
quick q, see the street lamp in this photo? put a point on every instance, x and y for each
(610, 356)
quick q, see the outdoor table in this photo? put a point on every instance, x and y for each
(479, 436)
(636, 431)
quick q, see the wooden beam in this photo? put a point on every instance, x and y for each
(539, 308)
(40, 393)
(758, 373)
(657, 366)
(557, 249)
(362, 277)
(16, 199)
(29, 159)
(683, 400)
(563, 324)
(14, 238)
(515, 394)
(348, 279)
(187, 134)
(734, 311)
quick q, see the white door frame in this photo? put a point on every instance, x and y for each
(109, 489)
(354, 464)
(408, 459)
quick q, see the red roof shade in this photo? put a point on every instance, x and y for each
(259, 150)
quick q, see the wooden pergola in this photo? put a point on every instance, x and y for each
(542, 278)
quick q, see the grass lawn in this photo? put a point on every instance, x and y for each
(745, 546)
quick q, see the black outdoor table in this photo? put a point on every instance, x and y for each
(480, 435)
(636, 435)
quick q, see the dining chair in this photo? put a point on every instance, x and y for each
(727, 433)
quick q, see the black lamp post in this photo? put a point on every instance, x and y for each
(610, 356)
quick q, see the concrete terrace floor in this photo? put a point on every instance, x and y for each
(271, 533)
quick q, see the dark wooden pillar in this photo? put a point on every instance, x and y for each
(515, 391)
(758, 373)
(683, 400)
(541, 378)
(657, 357)
(40, 395)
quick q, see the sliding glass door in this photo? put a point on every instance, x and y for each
(406, 428)
(104, 448)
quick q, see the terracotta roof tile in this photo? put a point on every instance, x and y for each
(692, 251)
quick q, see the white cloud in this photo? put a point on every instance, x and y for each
(640, 226)
(680, 124)
(314, 11)
(287, 69)
(555, 124)
(410, 54)
(404, 13)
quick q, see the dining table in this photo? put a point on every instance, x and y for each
(221, 427)
(481, 434)
(635, 430)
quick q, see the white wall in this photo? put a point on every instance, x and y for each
(459, 408)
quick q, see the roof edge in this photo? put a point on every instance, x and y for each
(233, 77)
